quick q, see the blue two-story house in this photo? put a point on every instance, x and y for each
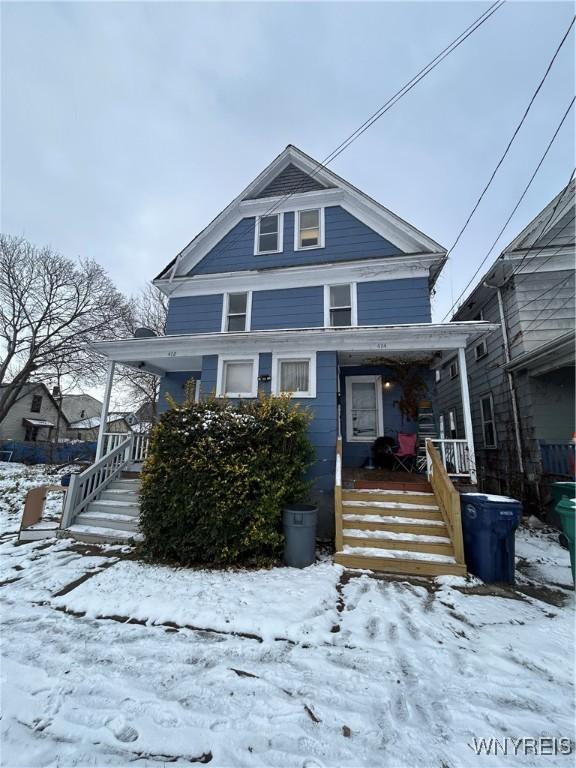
(304, 284)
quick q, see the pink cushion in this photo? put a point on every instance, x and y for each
(407, 444)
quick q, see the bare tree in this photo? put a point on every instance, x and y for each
(142, 390)
(51, 310)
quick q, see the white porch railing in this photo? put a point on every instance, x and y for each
(140, 444)
(455, 457)
(86, 486)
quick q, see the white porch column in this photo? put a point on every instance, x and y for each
(105, 407)
(467, 412)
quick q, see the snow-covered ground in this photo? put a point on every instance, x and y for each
(108, 661)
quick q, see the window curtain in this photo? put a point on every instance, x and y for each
(294, 376)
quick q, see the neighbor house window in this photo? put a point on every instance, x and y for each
(452, 424)
(269, 234)
(236, 316)
(438, 375)
(488, 423)
(36, 405)
(480, 350)
(237, 377)
(454, 369)
(295, 375)
(441, 427)
(309, 229)
(340, 305)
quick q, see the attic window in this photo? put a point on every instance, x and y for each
(268, 234)
(36, 405)
(309, 229)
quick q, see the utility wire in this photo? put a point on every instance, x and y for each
(553, 309)
(517, 129)
(526, 188)
(392, 101)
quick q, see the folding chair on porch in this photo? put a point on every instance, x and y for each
(405, 456)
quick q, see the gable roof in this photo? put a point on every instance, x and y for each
(294, 166)
(549, 229)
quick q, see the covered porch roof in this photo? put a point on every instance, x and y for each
(162, 354)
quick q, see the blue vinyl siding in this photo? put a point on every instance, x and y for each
(209, 375)
(386, 302)
(346, 239)
(194, 314)
(174, 384)
(288, 308)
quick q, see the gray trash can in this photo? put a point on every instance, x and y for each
(299, 522)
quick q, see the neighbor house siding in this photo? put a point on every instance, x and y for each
(545, 303)
(346, 239)
(386, 302)
(288, 308)
(195, 314)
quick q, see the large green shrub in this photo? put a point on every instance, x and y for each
(216, 478)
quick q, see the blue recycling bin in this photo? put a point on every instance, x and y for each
(488, 527)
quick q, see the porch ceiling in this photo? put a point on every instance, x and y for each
(184, 352)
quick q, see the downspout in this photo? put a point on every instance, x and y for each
(510, 378)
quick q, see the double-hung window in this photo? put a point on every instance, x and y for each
(488, 423)
(294, 374)
(480, 350)
(268, 237)
(454, 369)
(340, 305)
(236, 316)
(237, 377)
(309, 230)
(36, 405)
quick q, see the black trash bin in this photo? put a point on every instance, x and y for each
(299, 522)
(488, 527)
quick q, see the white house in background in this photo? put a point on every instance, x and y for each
(88, 429)
(521, 372)
(33, 416)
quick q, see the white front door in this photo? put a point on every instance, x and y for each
(364, 421)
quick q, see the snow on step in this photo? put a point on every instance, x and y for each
(396, 554)
(392, 535)
(391, 505)
(116, 516)
(390, 519)
(101, 533)
(115, 503)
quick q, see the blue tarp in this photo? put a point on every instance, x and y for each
(46, 453)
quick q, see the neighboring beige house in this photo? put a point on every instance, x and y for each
(87, 429)
(78, 407)
(33, 417)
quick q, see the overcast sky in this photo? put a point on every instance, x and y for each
(126, 127)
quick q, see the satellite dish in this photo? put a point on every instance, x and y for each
(144, 333)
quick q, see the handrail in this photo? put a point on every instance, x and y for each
(447, 497)
(86, 486)
(339, 539)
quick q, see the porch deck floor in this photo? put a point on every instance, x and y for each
(353, 477)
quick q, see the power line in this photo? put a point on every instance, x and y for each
(517, 129)
(552, 287)
(553, 309)
(392, 101)
(526, 188)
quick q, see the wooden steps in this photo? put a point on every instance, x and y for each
(395, 530)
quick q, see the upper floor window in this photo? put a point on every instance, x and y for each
(309, 230)
(480, 350)
(236, 315)
(340, 305)
(36, 405)
(268, 234)
(454, 369)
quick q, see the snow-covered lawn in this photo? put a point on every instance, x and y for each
(108, 661)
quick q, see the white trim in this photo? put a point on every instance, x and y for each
(280, 234)
(176, 352)
(321, 198)
(397, 231)
(364, 270)
(321, 228)
(353, 303)
(295, 356)
(222, 360)
(377, 380)
(105, 408)
(225, 307)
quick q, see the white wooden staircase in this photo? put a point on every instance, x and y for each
(415, 532)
